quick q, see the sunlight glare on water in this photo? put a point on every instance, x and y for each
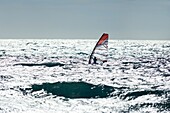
(54, 76)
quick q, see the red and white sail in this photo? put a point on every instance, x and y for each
(100, 51)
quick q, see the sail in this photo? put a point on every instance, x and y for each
(100, 51)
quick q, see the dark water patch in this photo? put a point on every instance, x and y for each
(139, 64)
(3, 52)
(166, 75)
(23, 49)
(32, 43)
(131, 62)
(124, 78)
(41, 64)
(74, 89)
(124, 68)
(26, 57)
(123, 88)
(34, 49)
(136, 94)
(52, 57)
(157, 86)
(152, 66)
(112, 79)
(146, 61)
(141, 79)
(136, 66)
(165, 46)
(5, 77)
(82, 53)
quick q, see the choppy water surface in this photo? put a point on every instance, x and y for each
(49, 76)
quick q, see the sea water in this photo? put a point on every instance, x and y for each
(53, 76)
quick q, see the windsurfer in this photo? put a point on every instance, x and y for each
(94, 60)
(100, 50)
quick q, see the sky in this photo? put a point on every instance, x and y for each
(85, 19)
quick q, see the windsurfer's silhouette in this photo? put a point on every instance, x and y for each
(94, 60)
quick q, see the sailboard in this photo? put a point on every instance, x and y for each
(100, 52)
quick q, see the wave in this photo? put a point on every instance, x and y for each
(166, 75)
(73, 89)
(162, 107)
(50, 64)
(136, 94)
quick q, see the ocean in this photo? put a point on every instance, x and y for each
(53, 76)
